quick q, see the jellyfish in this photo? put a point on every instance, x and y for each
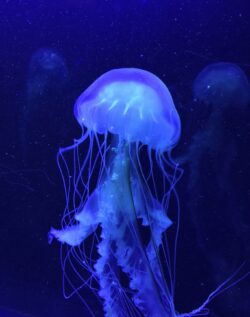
(47, 71)
(221, 91)
(119, 181)
(47, 78)
(217, 166)
(222, 85)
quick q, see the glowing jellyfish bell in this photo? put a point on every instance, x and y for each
(120, 187)
(133, 104)
(222, 85)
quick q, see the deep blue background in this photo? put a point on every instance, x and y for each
(174, 40)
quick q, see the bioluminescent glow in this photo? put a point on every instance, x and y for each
(119, 182)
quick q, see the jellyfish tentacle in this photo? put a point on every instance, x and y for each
(228, 283)
(88, 220)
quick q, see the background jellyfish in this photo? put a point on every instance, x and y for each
(222, 85)
(46, 81)
(120, 198)
(47, 71)
(216, 155)
(221, 93)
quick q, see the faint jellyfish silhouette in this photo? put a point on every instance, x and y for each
(215, 184)
(46, 80)
(47, 71)
(224, 89)
(222, 85)
(119, 193)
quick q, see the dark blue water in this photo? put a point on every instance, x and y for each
(50, 52)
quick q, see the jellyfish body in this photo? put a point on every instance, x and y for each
(118, 197)
(221, 85)
(47, 70)
(221, 91)
(47, 78)
(214, 154)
